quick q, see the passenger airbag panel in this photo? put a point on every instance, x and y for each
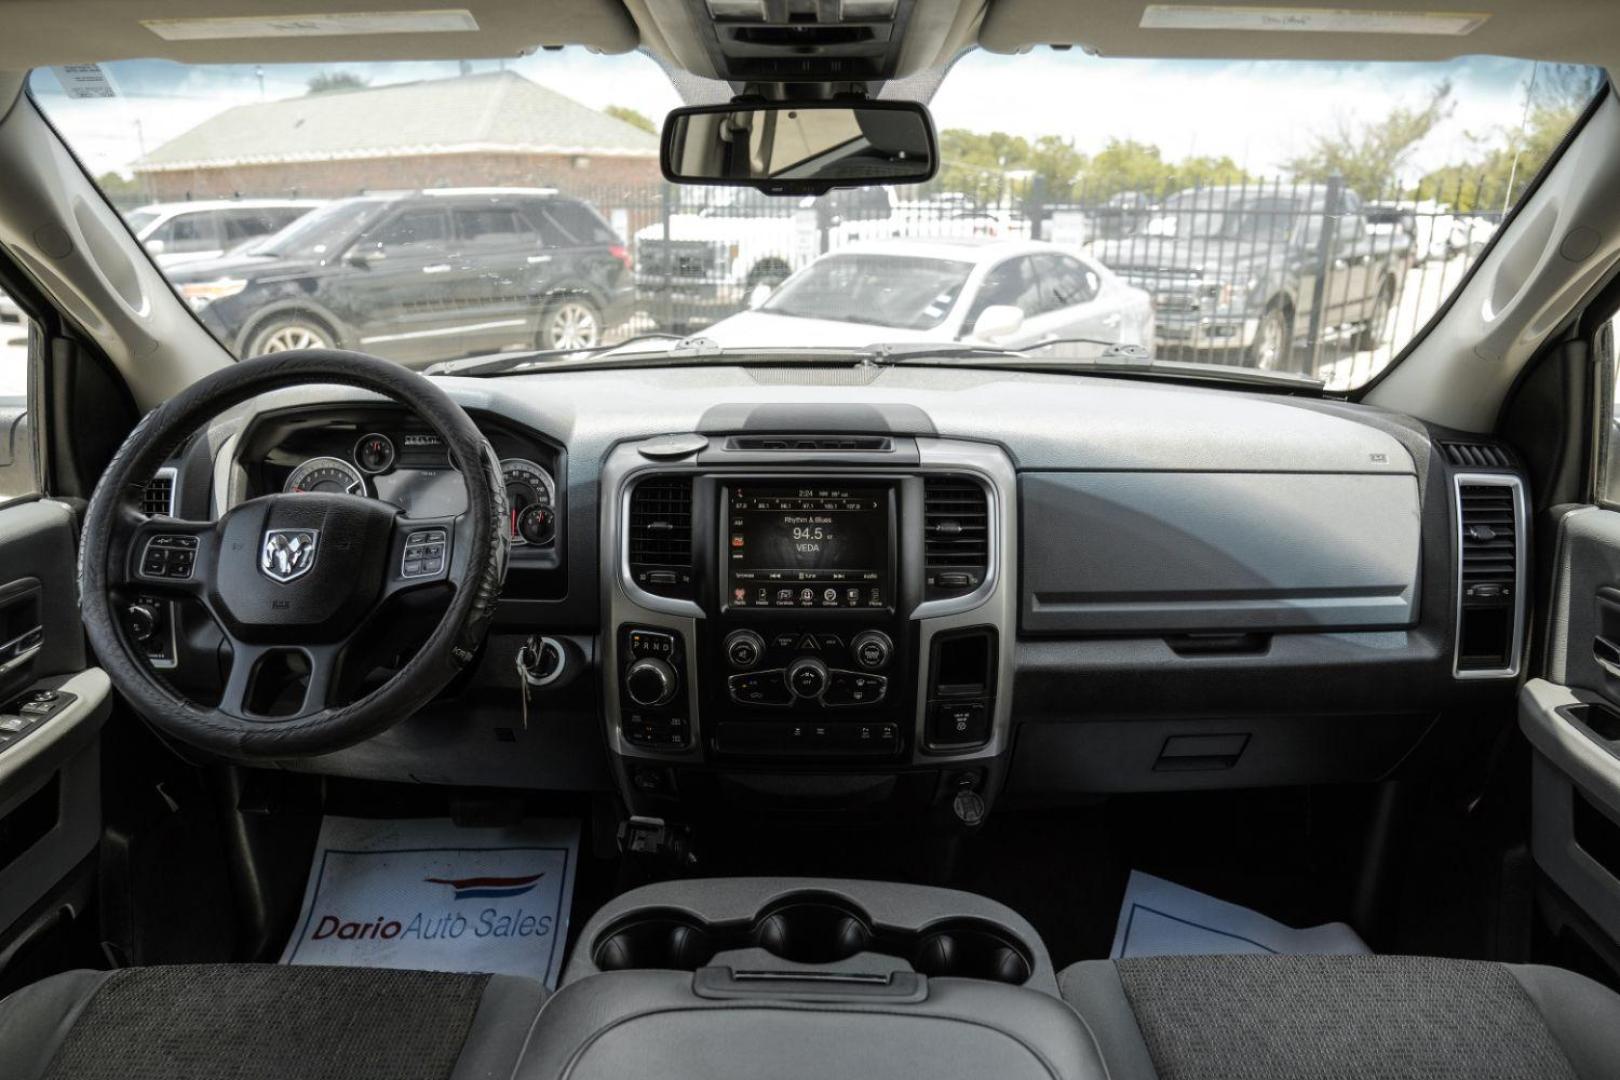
(1173, 552)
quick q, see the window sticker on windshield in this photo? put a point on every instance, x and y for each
(84, 81)
(447, 20)
(1310, 20)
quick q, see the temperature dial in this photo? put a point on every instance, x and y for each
(807, 677)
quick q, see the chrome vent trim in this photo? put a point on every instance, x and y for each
(1497, 502)
(657, 524)
(956, 531)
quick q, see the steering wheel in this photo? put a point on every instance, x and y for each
(292, 579)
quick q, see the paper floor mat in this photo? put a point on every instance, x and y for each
(422, 893)
(1161, 918)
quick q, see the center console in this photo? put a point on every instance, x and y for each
(783, 977)
(807, 607)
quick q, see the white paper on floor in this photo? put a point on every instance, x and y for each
(423, 893)
(1161, 918)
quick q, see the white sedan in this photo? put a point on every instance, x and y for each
(1013, 294)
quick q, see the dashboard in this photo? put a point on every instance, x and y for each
(931, 587)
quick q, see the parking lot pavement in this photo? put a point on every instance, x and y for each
(13, 361)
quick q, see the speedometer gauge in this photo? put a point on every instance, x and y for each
(531, 497)
(328, 474)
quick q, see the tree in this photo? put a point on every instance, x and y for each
(1369, 158)
(631, 117)
(1505, 159)
(328, 81)
(122, 192)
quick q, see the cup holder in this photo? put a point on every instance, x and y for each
(813, 932)
(813, 929)
(970, 949)
(654, 940)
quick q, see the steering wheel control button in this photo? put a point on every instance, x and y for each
(807, 677)
(959, 723)
(169, 555)
(744, 648)
(873, 650)
(850, 688)
(763, 688)
(424, 553)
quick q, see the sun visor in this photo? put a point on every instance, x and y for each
(1572, 31)
(42, 33)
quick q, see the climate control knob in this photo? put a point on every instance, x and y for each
(807, 677)
(651, 682)
(744, 648)
(872, 649)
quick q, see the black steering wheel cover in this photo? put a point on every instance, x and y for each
(453, 642)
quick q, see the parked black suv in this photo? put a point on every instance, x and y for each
(1245, 267)
(420, 277)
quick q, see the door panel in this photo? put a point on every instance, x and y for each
(1572, 718)
(51, 711)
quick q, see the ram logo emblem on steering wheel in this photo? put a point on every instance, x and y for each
(288, 553)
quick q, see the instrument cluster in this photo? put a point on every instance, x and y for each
(412, 471)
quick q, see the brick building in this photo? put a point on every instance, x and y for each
(493, 129)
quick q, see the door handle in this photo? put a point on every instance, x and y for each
(1607, 655)
(533, 259)
(20, 649)
(437, 268)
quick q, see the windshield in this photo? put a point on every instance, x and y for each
(1226, 215)
(319, 233)
(140, 219)
(897, 291)
(1295, 217)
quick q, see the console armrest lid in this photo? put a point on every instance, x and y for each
(633, 1024)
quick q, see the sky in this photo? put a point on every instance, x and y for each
(1257, 113)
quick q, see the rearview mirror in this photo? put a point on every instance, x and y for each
(800, 149)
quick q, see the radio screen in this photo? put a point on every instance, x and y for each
(808, 547)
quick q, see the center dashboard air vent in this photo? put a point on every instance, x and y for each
(1490, 573)
(871, 444)
(956, 536)
(660, 535)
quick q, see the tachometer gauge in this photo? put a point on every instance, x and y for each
(374, 453)
(329, 474)
(528, 485)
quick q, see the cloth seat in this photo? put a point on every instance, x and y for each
(266, 1022)
(1344, 1018)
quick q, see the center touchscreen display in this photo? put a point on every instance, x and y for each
(798, 547)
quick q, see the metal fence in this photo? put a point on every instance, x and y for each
(1316, 278)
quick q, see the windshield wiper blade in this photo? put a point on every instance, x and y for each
(1113, 358)
(511, 361)
(895, 354)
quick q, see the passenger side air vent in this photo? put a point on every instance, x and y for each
(158, 498)
(1472, 455)
(872, 444)
(1490, 571)
(956, 536)
(660, 539)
